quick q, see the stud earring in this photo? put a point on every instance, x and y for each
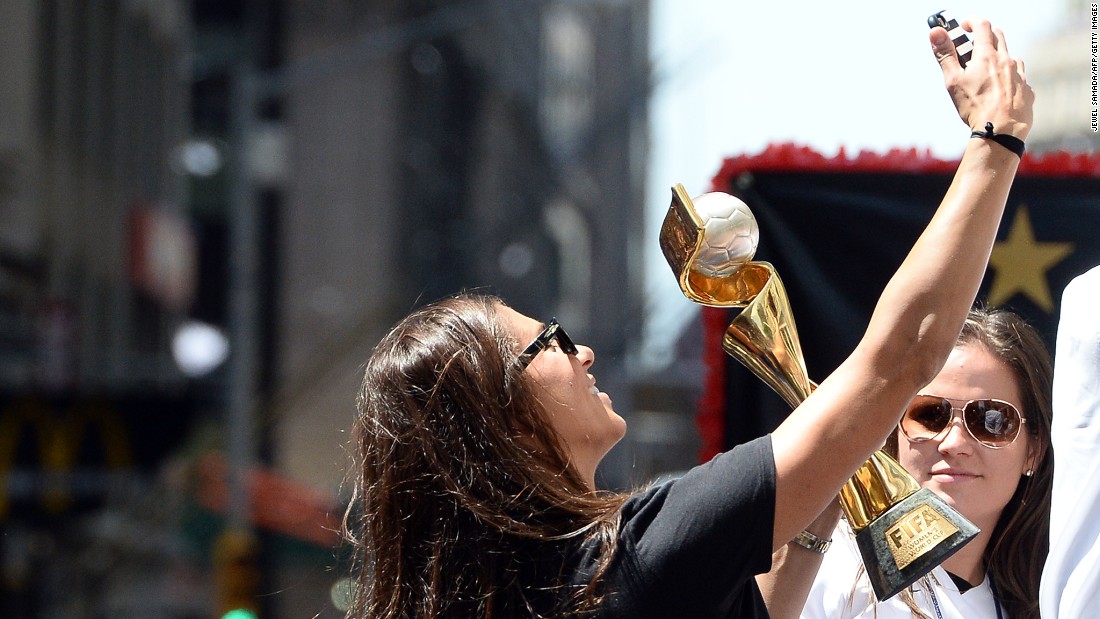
(1029, 473)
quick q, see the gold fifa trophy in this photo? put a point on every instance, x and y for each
(903, 531)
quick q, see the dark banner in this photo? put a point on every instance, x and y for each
(837, 229)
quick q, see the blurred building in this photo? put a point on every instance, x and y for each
(1062, 69)
(97, 266)
(437, 146)
(95, 100)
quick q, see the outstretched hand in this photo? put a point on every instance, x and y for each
(993, 87)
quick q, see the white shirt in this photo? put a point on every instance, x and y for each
(832, 594)
(1071, 576)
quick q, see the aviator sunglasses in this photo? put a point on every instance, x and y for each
(553, 330)
(993, 423)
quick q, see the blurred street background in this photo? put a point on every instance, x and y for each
(210, 211)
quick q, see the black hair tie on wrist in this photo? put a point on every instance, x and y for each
(1010, 142)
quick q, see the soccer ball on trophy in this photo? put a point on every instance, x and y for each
(730, 234)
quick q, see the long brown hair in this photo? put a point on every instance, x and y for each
(464, 504)
(1018, 547)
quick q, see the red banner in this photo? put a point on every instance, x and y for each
(837, 228)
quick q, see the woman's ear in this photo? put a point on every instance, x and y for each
(1031, 462)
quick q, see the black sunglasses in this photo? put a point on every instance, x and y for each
(993, 423)
(552, 330)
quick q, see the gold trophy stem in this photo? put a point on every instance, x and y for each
(763, 338)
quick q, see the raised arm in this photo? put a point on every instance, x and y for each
(921, 311)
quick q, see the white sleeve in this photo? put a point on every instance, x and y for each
(832, 595)
(1071, 576)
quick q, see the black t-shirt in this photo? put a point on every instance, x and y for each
(690, 547)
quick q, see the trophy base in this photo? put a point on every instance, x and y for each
(909, 540)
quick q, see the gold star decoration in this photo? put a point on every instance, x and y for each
(1021, 264)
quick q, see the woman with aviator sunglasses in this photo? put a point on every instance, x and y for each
(979, 436)
(480, 429)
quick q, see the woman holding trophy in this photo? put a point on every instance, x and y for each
(480, 429)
